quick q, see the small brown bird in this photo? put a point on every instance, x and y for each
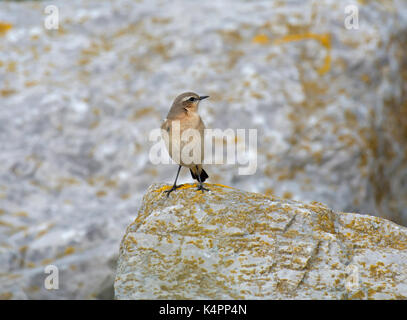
(184, 115)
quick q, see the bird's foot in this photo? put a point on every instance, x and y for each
(202, 188)
(174, 187)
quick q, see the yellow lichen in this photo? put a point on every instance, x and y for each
(261, 39)
(324, 39)
(4, 27)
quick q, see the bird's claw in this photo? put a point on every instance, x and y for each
(202, 188)
(174, 187)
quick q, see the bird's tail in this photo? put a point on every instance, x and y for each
(202, 175)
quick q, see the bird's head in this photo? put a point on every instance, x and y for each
(188, 101)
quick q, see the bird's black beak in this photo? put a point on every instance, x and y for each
(203, 97)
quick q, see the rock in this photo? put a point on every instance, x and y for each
(231, 244)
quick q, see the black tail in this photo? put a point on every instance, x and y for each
(203, 176)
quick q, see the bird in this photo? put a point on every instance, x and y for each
(184, 115)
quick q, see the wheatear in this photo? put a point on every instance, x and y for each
(184, 117)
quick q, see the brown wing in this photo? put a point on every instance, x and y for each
(201, 125)
(201, 128)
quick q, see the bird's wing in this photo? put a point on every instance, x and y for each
(201, 128)
(201, 125)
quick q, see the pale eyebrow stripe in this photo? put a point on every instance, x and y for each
(186, 98)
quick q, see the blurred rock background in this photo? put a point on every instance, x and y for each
(77, 104)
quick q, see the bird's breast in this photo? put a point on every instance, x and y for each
(174, 140)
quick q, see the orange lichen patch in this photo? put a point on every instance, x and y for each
(144, 112)
(29, 84)
(367, 231)
(318, 156)
(286, 174)
(95, 49)
(33, 288)
(21, 214)
(160, 20)
(269, 191)
(4, 27)
(161, 49)
(46, 261)
(314, 92)
(181, 187)
(189, 185)
(291, 234)
(358, 295)
(101, 193)
(129, 29)
(234, 57)
(261, 39)
(92, 181)
(378, 271)
(221, 185)
(287, 195)
(67, 251)
(41, 233)
(125, 196)
(6, 224)
(198, 243)
(68, 181)
(94, 124)
(324, 39)
(110, 184)
(230, 36)
(152, 171)
(11, 66)
(7, 92)
(326, 221)
(45, 231)
(347, 140)
(365, 78)
(23, 249)
(6, 296)
(318, 204)
(350, 117)
(256, 95)
(96, 111)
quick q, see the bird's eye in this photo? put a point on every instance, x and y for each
(191, 99)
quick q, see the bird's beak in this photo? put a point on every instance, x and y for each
(203, 97)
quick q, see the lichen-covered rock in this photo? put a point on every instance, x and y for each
(230, 244)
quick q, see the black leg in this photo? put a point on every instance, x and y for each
(200, 186)
(174, 187)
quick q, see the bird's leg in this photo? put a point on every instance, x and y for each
(200, 186)
(174, 187)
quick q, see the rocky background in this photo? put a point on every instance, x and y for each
(77, 104)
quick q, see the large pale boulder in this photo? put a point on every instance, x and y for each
(230, 244)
